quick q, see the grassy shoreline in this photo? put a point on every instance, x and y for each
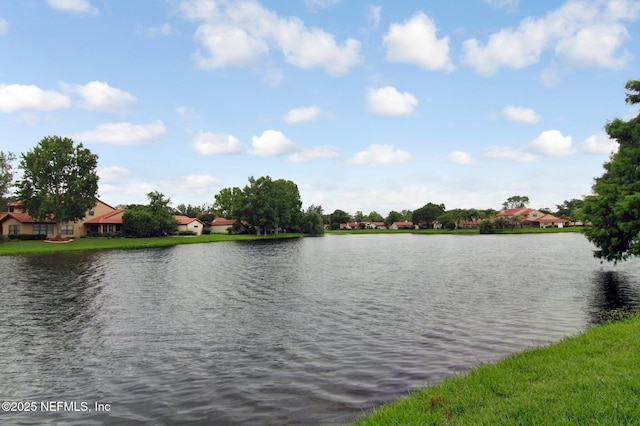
(590, 378)
(9, 248)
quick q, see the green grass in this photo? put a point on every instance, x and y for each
(28, 247)
(589, 379)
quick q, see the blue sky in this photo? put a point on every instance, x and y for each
(381, 105)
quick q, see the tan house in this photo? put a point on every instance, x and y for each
(15, 221)
(186, 223)
(531, 218)
(220, 225)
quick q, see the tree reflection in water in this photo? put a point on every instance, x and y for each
(615, 294)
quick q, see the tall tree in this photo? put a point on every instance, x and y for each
(59, 180)
(614, 208)
(152, 220)
(6, 177)
(228, 202)
(427, 214)
(516, 202)
(337, 217)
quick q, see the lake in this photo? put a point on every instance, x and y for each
(302, 331)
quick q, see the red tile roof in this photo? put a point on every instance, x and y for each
(107, 218)
(221, 221)
(23, 218)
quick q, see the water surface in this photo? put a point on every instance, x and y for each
(305, 331)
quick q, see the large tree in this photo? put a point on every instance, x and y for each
(613, 211)
(59, 180)
(152, 220)
(516, 202)
(268, 204)
(6, 177)
(427, 214)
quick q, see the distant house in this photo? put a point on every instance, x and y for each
(402, 225)
(15, 221)
(220, 225)
(531, 218)
(186, 223)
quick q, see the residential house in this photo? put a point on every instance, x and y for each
(186, 223)
(402, 225)
(108, 223)
(15, 221)
(220, 225)
(531, 218)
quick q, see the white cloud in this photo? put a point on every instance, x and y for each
(381, 154)
(198, 182)
(4, 26)
(17, 97)
(241, 33)
(206, 143)
(502, 3)
(581, 33)
(415, 42)
(113, 174)
(460, 157)
(552, 144)
(73, 6)
(302, 114)
(388, 101)
(159, 31)
(313, 153)
(321, 3)
(124, 133)
(520, 114)
(374, 15)
(600, 144)
(187, 112)
(99, 96)
(506, 152)
(271, 143)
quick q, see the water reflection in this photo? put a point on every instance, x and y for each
(613, 290)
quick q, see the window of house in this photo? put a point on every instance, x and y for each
(66, 229)
(11, 209)
(43, 229)
(91, 212)
(108, 228)
(14, 229)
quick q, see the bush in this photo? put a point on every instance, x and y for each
(450, 226)
(206, 231)
(186, 233)
(27, 237)
(486, 227)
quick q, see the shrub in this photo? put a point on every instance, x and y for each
(27, 237)
(186, 233)
(486, 227)
(206, 231)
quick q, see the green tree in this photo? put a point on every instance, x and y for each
(153, 220)
(487, 227)
(570, 208)
(613, 210)
(337, 217)
(270, 204)
(312, 223)
(393, 217)
(59, 180)
(516, 202)
(228, 202)
(374, 216)
(6, 177)
(427, 214)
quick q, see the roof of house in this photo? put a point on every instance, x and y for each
(547, 218)
(221, 221)
(186, 220)
(512, 212)
(403, 223)
(22, 218)
(114, 217)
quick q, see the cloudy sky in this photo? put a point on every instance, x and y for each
(382, 105)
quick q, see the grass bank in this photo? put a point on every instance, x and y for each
(589, 379)
(31, 247)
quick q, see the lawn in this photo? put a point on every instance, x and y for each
(27, 247)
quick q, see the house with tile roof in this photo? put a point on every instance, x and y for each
(186, 223)
(15, 221)
(220, 225)
(531, 218)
